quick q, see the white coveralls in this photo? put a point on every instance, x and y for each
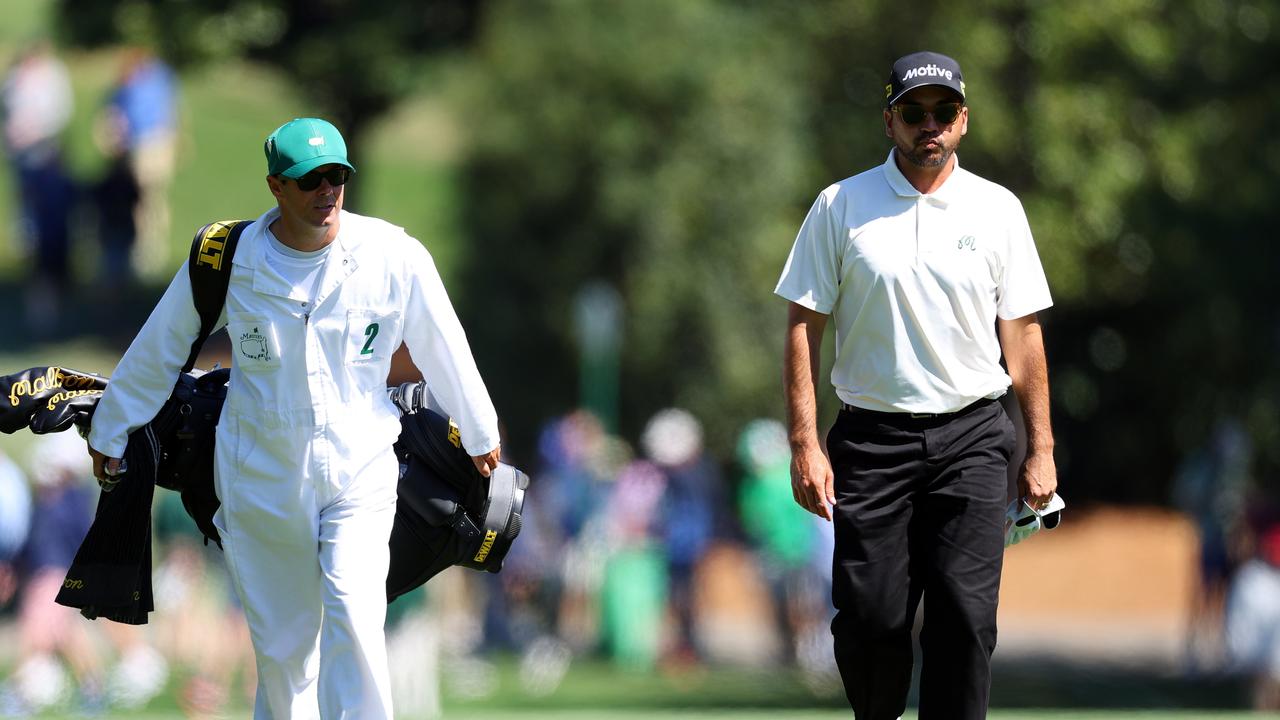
(304, 467)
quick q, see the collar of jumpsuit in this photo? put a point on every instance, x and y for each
(340, 263)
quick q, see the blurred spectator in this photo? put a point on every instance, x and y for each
(633, 594)
(578, 459)
(62, 512)
(37, 104)
(115, 197)
(1253, 614)
(142, 114)
(55, 196)
(782, 533)
(1209, 488)
(199, 623)
(691, 503)
(15, 519)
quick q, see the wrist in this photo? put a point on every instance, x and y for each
(804, 442)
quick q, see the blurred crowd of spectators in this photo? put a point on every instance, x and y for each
(655, 558)
(658, 557)
(1234, 623)
(125, 206)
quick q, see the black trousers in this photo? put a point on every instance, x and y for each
(919, 511)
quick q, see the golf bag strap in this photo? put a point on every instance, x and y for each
(210, 269)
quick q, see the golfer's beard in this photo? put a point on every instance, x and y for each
(921, 158)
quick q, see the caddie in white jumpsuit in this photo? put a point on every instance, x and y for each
(319, 299)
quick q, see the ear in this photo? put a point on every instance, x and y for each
(888, 123)
(964, 120)
(276, 186)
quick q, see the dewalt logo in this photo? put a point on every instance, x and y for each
(212, 244)
(455, 435)
(486, 546)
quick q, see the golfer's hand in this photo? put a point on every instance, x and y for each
(1038, 479)
(488, 462)
(106, 470)
(812, 482)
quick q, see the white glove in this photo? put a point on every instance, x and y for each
(1021, 521)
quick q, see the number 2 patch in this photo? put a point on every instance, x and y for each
(370, 332)
(370, 335)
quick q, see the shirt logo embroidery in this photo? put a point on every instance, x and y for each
(253, 346)
(968, 241)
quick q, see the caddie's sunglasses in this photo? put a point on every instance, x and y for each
(336, 177)
(944, 113)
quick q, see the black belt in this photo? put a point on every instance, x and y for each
(854, 409)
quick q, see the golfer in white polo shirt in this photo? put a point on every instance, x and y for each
(929, 274)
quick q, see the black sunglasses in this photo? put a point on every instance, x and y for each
(1048, 521)
(337, 176)
(944, 113)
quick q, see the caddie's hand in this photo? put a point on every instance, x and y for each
(106, 470)
(488, 462)
(1038, 479)
(812, 482)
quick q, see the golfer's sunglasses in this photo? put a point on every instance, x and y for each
(337, 176)
(944, 113)
(1048, 521)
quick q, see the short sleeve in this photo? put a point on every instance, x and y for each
(811, 277)
(1023, 287)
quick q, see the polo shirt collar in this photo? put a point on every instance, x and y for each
(903, 187)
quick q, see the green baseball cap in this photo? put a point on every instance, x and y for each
(302, 145)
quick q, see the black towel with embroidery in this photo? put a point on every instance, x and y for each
(111, 574)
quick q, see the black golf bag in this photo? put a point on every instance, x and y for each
(447, 512)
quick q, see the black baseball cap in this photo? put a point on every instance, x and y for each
(919, 69)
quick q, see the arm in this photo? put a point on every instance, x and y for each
(812, 481)
(144, 377)
(1022, 343)
(439, 348)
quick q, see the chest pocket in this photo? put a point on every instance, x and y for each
(370, 336)
(254, 343)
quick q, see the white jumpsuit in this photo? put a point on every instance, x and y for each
(304, 467)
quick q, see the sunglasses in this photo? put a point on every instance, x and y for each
(337, 177)
(1048, 521)
(943, 113)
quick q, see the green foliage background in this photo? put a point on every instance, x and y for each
(671, 148)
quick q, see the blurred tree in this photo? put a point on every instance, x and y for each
(354, 58)
(671, 148)
(653, 146)
(1132, 132)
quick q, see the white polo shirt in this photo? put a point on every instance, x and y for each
(914, 284)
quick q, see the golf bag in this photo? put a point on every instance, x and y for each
(447, 513)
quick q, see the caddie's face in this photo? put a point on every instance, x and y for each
(927, 143)
(318, 207)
